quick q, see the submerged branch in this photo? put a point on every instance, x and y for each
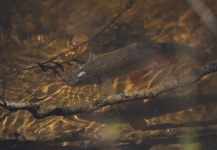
(45, 111)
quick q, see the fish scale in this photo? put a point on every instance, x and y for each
(126, 60)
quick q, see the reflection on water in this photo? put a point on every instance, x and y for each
(36, 30)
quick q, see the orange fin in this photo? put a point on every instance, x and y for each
(136, 77)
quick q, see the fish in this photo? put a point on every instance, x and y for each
(126, 60)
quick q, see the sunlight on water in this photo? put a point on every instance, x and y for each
(34, 36)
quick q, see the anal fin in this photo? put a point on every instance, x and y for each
(136, 77)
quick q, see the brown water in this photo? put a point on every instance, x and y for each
(35, 30)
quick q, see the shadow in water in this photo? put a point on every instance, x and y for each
(135, 112)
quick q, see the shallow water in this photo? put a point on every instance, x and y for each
(36, 30)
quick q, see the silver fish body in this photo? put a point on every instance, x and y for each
(124, 61)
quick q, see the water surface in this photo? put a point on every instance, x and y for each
(35, 30)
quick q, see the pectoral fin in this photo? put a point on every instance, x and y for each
(107, 87)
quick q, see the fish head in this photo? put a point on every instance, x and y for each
(78, 78)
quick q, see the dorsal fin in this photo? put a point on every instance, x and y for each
(91, 57)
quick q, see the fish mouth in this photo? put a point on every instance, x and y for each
(67, 81)
(70, 82)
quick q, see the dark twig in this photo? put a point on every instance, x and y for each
(4, 104)
(44, 111)
(128, 5)
(59, 65)
(3, 88)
